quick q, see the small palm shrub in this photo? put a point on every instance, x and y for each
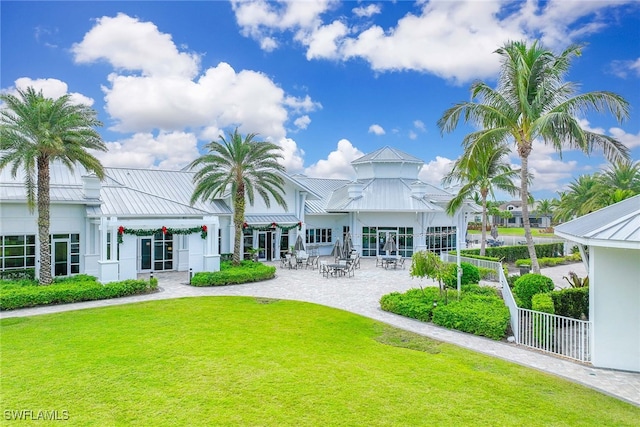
(528, 285)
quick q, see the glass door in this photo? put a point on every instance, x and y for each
(61, 260)
(145, 253)
(387, 241)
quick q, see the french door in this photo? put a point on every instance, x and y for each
(156, 252)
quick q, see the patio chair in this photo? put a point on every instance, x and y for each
(351, 270)
(379, 261)
(400, 262)
(313, 262)
(293, 262)
(323, 269)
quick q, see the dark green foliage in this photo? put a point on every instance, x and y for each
(480, 310)
(528, 285)
(470, 274)
(19, 274)
(247, 271)
(572, 302)
(543, 329)
(476, 314)
(23, 294)
(512, 253)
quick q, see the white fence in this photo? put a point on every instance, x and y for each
(546, 332)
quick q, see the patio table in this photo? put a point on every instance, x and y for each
(334, 269)
(388, 260)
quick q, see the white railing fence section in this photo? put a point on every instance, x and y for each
(546, 332)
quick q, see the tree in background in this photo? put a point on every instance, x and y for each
(244, 167)
(533, 101)
(480, 169)
(35, 131)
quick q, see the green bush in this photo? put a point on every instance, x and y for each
(487, 273)
(69, 290)
(543, 303)
(528, 285)
(571, 302)
(415, 303)
(247, 271)
(512, 253)
(543, 330)
(480, 311)
(19, 274)
(482, 315)
(470, 274)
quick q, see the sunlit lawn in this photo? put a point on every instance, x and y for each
(246, 361)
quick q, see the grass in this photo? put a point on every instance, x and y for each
(255, 361)
(515, 231)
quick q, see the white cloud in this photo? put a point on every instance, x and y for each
(376, 129)
(630, 140)
(433, 171)
(419, 124)
(367, 11)
(302, 122)
(51, 88)
(167, 150)
(293, 157)
(338, 163)
(413, 135)
(162, 89)
(129, 44)
(624, 69)
(453, 40)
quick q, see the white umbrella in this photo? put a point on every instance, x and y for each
(337, 249)
(299, 246)
(390, 245)
(348, 244)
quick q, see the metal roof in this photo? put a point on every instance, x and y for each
(271, 218)
(383, 194)
(324, 188)
(387, 154)
(616, 226)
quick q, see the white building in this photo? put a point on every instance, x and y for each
(612, 237)
(140, 220)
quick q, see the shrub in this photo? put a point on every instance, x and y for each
(476, 314)
(247, 271)
(487, 273)
(19, 274)
(512, 253)
(571, 302)
(69, 290)
(480, 311)
(543, 330)
(470, 274)
(415, 303)
(528, 285)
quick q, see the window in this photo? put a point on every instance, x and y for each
(441, 239)
(318, 235)
(17, 252)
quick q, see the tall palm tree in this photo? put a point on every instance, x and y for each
(34, 131)
(579, 198)
(545, 208)
(245, 167)
(532, 101)
(481, 168)
(619, 182)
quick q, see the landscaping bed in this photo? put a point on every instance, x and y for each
(248, 271)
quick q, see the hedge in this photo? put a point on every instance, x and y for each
(528, 285)
(247, 271)
(480, 310)
(571, 302)
(512, 253)
(84, 288)
(543, 330)
(470, 274)
(482, 315)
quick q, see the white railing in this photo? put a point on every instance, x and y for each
(555, 334)
(493, 265)
(546, 332)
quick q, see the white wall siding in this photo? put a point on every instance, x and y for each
(614, 306)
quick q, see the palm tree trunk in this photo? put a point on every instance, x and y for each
(483, 239)
(44, 202)
(524, 194)
(238, 220)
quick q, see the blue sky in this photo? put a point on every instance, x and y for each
(328, 81)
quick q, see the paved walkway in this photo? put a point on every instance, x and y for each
(360, 294)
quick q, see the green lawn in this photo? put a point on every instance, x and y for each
(247, 361)
(509, 231)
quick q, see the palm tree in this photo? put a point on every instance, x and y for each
(579, 198)
(481, 168)
(619, 182)
(545, 208)
(532, 101)
(34, 131)
(245, 167)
